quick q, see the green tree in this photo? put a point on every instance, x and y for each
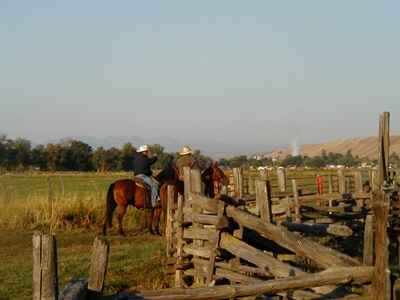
(39, 157)
(127, 153)
(163, 158)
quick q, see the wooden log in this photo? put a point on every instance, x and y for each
(243, 269)
(235, 277)
(197, 251)
(219, 222)
(263, 200)
(320, 229)
(45, 273)
(257, 257)
(328, 277)
(322, 256)
(204, 203)
(206, 234)
(98, 266)
(368, 253)
(381, 282)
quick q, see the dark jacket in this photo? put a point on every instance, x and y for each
(142, 164)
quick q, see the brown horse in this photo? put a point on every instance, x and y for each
(120, 195)
(123, 193)
(214, 180)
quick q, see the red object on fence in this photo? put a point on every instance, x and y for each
(320, 184)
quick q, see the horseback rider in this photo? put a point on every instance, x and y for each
(186, 159)
(142, 162)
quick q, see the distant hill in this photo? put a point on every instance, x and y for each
(363, 147)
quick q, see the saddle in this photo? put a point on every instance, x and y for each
(140, 183)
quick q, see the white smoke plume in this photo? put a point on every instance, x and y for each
(295, 147)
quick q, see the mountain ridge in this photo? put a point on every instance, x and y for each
(360, 146)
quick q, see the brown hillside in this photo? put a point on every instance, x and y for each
(363, 147)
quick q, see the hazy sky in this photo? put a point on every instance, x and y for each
(257, 73)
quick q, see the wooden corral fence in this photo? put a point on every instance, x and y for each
(280, 245)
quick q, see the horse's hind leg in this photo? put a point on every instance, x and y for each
(157, 219)
(121, 211)
(149, 219)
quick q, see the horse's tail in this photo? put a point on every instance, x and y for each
(110, 207)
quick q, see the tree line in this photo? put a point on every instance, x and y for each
(320, 161)
(75, 155)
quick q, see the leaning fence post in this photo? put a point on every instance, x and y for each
(45, 276)
(263, 200)
(98, 266)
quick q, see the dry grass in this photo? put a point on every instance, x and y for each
(56, 201)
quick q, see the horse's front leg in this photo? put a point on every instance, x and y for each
(121, 211)
(149, 220)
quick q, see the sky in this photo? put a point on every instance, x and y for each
(244, 75)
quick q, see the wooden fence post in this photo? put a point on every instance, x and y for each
(341, 181)
(179, 242)
(252, 187)
(169, 220)
(45, 275)
(187, 182)
(381, 282)
(238, 182)
(297, 216)
(368, 252)
(281, 173)
(381, 206)
(330, 184)
(98, 266)
(263, 200)
(195, 176)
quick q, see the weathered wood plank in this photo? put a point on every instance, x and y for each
(368, 253)
(257, 257)
(206, 234)
(328, 277)
(98, 265)
(263, 200)
(303, 247)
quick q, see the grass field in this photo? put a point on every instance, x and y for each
(72, 205)
(134, 261)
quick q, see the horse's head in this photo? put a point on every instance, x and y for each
(218, 175)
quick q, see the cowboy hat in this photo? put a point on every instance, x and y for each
(143, 148)
(186, 150)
